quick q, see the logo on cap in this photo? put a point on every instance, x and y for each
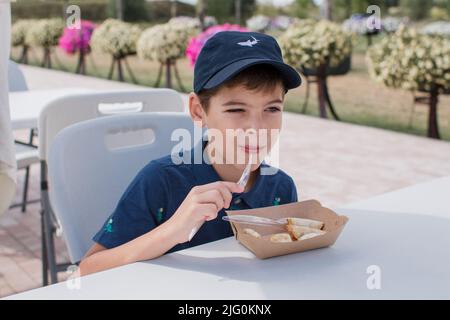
(249, 43)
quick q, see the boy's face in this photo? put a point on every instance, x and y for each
(249, 122)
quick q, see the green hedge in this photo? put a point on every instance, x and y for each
(90, 10)
(98, 10)
(160, 10)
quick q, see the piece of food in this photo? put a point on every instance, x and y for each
(298, 231)
(252, 232)
(305, 223)
(309, 236)
(281, 237)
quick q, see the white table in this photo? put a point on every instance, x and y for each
(412, 252)
(25, 106)
(430, 198)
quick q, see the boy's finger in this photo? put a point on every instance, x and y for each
(208, 211)
(233, 186)
(212, 196)
(227, 196)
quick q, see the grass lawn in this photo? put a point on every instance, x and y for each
(356, 97)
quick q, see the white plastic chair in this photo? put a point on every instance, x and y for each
(75, 108)
(86, 189)
(26, 153)
(16, 79)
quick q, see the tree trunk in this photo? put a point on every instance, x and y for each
(24, 56)
(119, 70)
(433, 127)
(168, 75)
(111, 69)
(46, 61)
(326, 9)
(238, 11)
(119, 9)
(81, 63)
(321, 74)
(173, 8)
(201, 10)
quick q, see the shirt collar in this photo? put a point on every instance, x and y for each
(205, 173)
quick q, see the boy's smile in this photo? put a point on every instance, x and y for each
(249, 122)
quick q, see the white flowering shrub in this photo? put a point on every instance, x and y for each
(165, 41)
(311, 44)
(281, 22)
(259, 23)
(19, 32)
(193, 23)
(411, 60)
(391, 24)
(185, 21)
(210, 21)
(115, 37)
(358, 24)
(441, 28)
(44, 32)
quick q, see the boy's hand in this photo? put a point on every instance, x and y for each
(201, 204)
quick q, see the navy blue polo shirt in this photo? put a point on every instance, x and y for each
(161, 186)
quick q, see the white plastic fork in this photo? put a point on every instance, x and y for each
(242, 182)
(246, 174)
(255, 220)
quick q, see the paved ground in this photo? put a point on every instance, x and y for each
(333, 162)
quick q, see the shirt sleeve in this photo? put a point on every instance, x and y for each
(288, 191)
(139, 210)
(293, 188)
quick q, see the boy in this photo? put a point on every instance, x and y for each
(240, 81)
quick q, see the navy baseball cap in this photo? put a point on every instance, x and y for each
(229, 52)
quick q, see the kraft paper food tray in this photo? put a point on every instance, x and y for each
(311, 209)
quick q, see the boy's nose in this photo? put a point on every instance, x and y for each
(254, 124)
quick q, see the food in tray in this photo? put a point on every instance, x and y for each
(297, 232)
(297, 229)
(309, 236)
(294, 233)
(281, 237)
(305, 223)
(252, 232)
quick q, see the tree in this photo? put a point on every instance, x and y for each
(326, 9)
(417, 9)
(230, 10)
(238, 11)
(119, 9)
(302, 8)
(128, 10)
(201, 9)
(243, 9)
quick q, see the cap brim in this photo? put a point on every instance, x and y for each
(291, 77)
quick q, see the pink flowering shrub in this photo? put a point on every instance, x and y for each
(196, 44)
(76, 40)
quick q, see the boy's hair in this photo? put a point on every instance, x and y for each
(260, 77)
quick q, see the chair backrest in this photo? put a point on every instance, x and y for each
(74, 108)
(87, 176)
(16, 78)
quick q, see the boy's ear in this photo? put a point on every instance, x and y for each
(196, 110)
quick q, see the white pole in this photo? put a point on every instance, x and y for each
(7, 158)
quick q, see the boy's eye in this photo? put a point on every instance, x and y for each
(273, 109)
(234, 110)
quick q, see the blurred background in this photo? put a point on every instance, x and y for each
(356, 97)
